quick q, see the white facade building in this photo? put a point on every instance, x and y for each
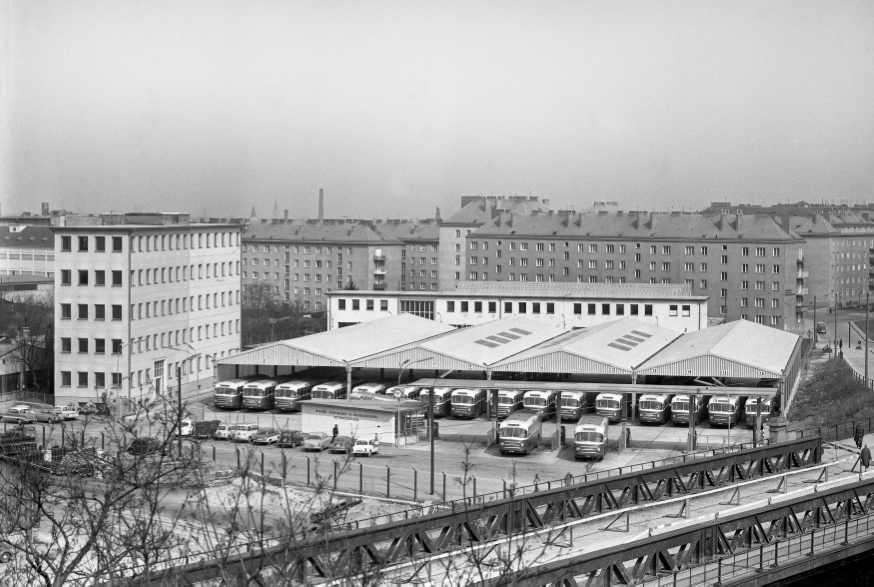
(568, 305)
(138, 297)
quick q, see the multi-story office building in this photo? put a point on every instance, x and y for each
(568, 305)
(27, 250)
(138, 297)
(749, 267)
(475, 212)
(306, 259)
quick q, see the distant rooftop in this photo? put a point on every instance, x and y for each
(318, 232)
(477, 210)
(26, 236)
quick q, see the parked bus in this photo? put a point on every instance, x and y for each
(680, 408)
(725, 410)
(290, 393)
(442, 401)
(766, 411)
(468, 403)
(610, 405)
(332, 389)
(372, 387)
(404, 392)
(228, 395)
(370, 395)
(654, 408)
(590, 437)
(541, 400)
(573, 405)
(509, 400)
(520, 432)
(259, 395)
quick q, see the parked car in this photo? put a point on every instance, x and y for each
(342, 444)
(87, 408)
(19, 415)
(186, 427)
(144, 446)
(265, 436)
(50, 415)
(290, 438)
(244, 432)
(224, 431)
(7, 553)
(70, 412)
(317, 441)
(365, 446)
(207, 429)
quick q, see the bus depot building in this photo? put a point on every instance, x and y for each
(627, 355)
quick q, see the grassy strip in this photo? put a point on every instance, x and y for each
(831, 395)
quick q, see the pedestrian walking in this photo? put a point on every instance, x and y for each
(866, 457)
(627, 437)
(859, 435)
(841, 344)
(335, 432)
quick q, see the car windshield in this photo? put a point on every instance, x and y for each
(588, 437)
(513, 432)
(462, 399)
(506, 400)
(362, 442)
(607, 403)
(535, 401)
(314, 437)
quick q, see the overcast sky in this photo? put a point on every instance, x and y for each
(397, 107)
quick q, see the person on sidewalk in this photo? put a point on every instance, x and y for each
(335, 432)
(865, 457)
(841, 344)
(859, 435)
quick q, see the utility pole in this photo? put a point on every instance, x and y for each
(866, 337)
(179, 398)
(835, 347)
(814, 322)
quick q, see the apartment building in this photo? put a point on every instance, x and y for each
(749, 267)
(475, 212)
(140, 296)
(27, 250)
(304, 260)
(420, 255)
(568, 305)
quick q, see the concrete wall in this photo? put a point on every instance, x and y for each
(356, 422)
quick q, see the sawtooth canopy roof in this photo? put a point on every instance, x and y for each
(613, 347)
(737, 349)
(334, 348)
(478, 347)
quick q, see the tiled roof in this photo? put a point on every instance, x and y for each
(320, 232)
(29, 236)
(410, 231)
(482, 210)
(643, 225)
(573, 290)
(807, 225)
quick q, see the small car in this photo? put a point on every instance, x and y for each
(87, 408)
(19, 415)
(186, 427)
(290, 438)
(7, 553)
(206, 429)
(70, 412)
(342, 444)
(318, 441)
(243, 432)
(224, 431)
(144, 446)
(365, 446)
(50, 415)
(265, 436)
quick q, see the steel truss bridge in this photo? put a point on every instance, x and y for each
(344, 553)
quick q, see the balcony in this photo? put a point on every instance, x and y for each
(379, 285)
(801, 291)
(803, 274)
(378, 255)
(379, 270)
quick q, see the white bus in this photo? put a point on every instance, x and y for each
(332, 389)
(371, 387)
(442, 402)
(725, 410)
(610, 405)
(654, 408)
(573, 405)
(542, 401)
(509, 400)
(289, 394)
(590, 437)
(404, 391)
(766, 411)
(370, 395)
(680, 408)
(520, 432)
(468, 403)
(228, 394)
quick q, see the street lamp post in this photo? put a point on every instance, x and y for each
(118, 370)
(191, 355)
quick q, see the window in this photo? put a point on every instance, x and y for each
(493, 307)
(723, 276)
(775, 303)
(760, 319)
(760, 302)
(83, 243)
(688, 266)
(100, 244)
(523, 246)
(99, 312)
(578, 309)
(775, 286)
(593, 248)
(775, 252)
(116, 278)
(666, 250)
(744, 302)
(633, 309)
(745, 251)
(421, 308)
(82, 378)
(116, 244)
(478, 307)
(703, 250)
(83, 311)
(100, 346)
(760, 268)
(775, 320)
(341, 304)
(523, 307)
(620, 309)
(356, 304)
(593, 264)
(65, 277)
(723, 293)
(550, 308)
(666, 266)
(647, 309)
(745, 285)
(687, 310)
(775, 270)
(744, 268)
(83, 277)
(508, 307)
(66, 345)
(66, 243)
(703, 284)
(535, 307)
(590, 309)
(450, 306)
(760, 251)
(723, 310)
(383, 305)
(116, 311)
(703, 266)
(369, 305)
(672, 310)
(66, 311)
(652, 265)
(690, 250)
(724, 259)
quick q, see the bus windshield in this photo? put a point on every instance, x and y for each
(607, 403)
(506, 400)
(462, 399)
(514, 432)
(535, 401)
(721, 407)
(254, 392)
(570, 402)
(650, 405)
(680, 406)
(286, 393)
(588, 437)
(227, 391)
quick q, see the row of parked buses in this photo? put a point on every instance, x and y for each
(522, 431)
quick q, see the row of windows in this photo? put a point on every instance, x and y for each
(83, 314)
(181, 305)
(82, 277)
(85, 241)
(183, 273)
(82, 379)
(184, 336)
(612, 248)
(759, 319)
(368, 304)
(307, 250)
(422, 286)
(156, 242)
(82, 345)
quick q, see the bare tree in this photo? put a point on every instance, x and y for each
(34, 320)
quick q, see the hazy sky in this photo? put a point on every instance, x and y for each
(396, 107)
